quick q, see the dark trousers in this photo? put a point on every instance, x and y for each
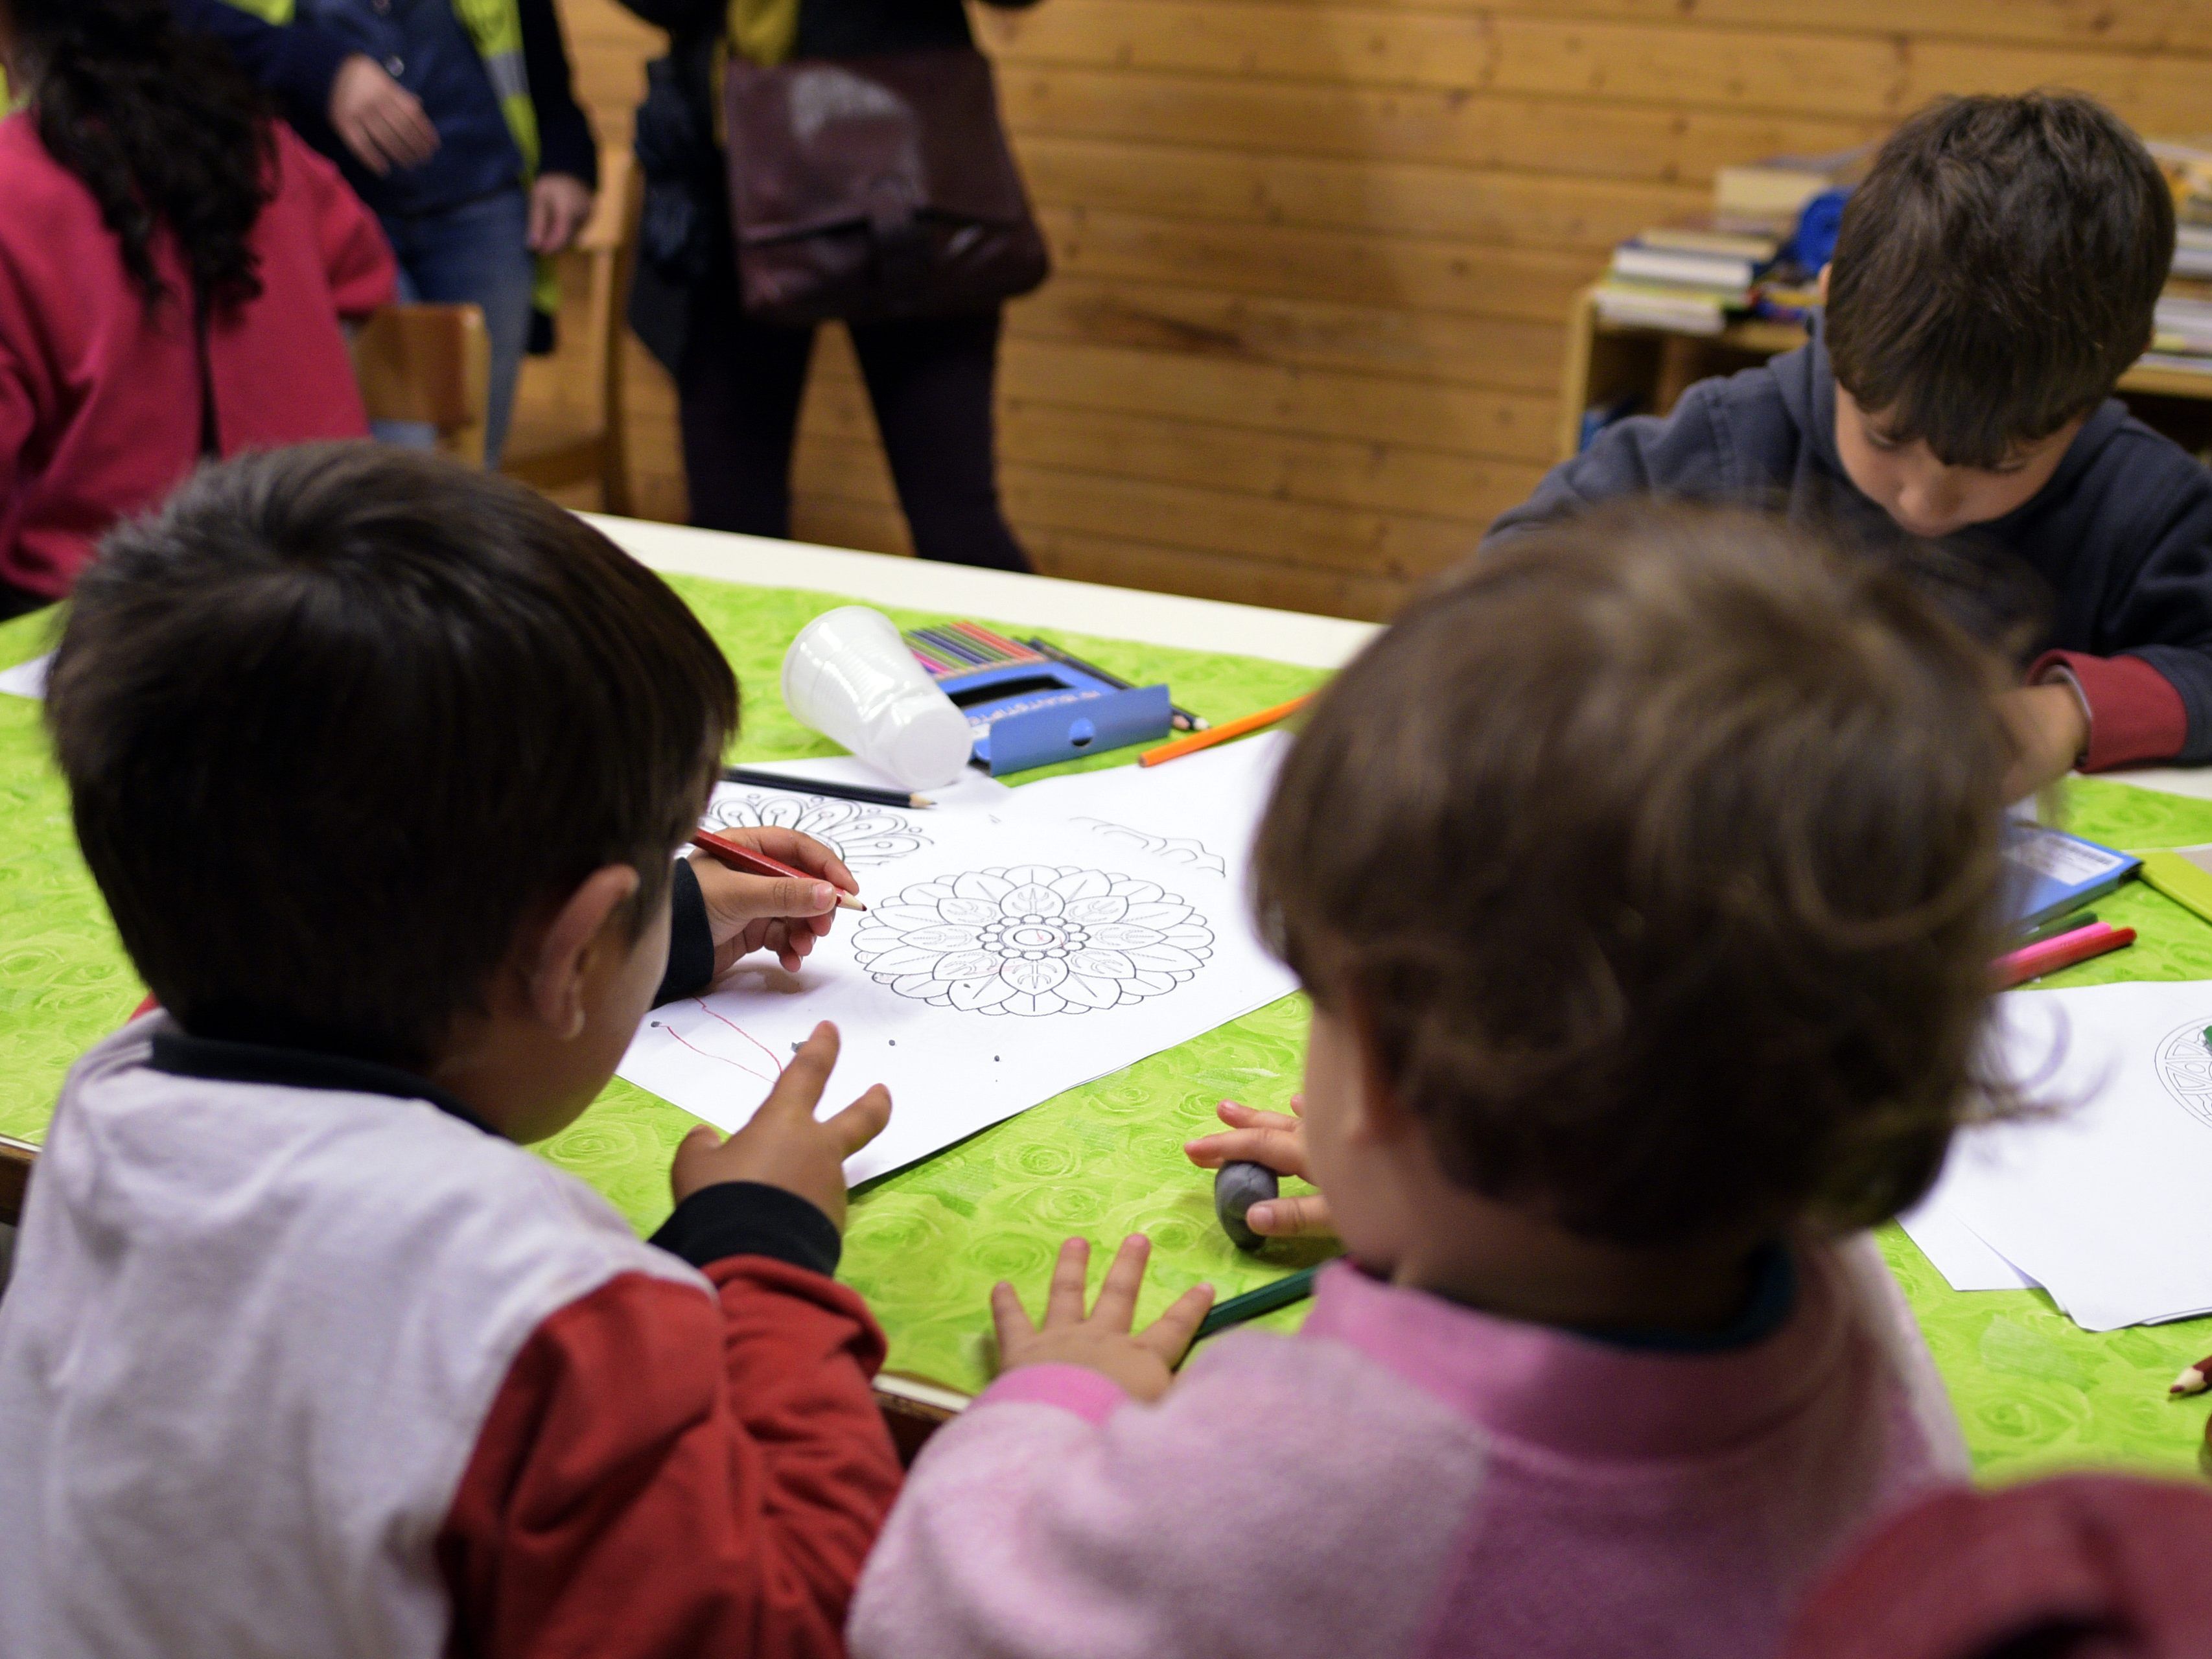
(929, 379)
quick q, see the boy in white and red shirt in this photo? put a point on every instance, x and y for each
(379, 765)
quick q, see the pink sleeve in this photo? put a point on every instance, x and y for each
(358, 261)
(1055, 1519)
(2135, 716)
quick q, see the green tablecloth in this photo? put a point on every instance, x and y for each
(2032, 1391)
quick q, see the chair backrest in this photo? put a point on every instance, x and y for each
(568, 420)
(430, 364)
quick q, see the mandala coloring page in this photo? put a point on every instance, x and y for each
(860, 833)
(2185, 1066)
(1033, 940)
(1175, 849)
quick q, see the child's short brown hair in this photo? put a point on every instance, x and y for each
(1996, 273)
(1655, 855)
(339, 718)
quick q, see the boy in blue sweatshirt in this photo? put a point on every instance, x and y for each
(1994, 277)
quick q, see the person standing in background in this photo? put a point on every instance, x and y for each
(738, 379)
(455, 121)
(174, 266)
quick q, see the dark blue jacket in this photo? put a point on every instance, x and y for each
(2121, 537)
(296, 64)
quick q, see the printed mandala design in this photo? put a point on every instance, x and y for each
(1175, 850)
(1033, 940)
(2185, 1066)
(861, 835)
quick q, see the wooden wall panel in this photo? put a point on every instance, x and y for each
(1314, 257)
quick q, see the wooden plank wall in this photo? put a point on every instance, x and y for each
(1313, 257)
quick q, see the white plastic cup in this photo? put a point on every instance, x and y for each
(850, 676)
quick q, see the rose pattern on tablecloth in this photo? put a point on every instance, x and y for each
(1033, 940)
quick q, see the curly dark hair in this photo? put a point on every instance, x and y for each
(164, 129)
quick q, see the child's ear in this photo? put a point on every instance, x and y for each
(1823, 283)
(565, 950)
(1377, 1114)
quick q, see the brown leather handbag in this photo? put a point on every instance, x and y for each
(865, 189)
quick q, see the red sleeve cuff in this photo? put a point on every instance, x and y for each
(2135, 713)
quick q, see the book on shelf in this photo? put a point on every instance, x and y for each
(1771, 194)
(1654, 305)
(1703, 235)
(1726, 274)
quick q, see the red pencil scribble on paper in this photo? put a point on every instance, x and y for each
(768, 1078)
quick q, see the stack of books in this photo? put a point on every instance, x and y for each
(1699, 277)
(2182, 335)
(1689, 279)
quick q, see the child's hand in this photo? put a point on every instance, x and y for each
(1278, 1142)
(2049, 734)
(784, 1145)
(771, 913)
(1143, 1365)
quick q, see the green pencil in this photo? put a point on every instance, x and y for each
(1291, 1287)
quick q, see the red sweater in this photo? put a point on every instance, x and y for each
(100, 401)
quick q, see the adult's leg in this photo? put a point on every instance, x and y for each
(478, 254)
(930, 381)
(737, 390)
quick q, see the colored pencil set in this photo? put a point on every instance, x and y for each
(961, 647)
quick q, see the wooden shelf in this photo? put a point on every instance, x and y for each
(1608, 361)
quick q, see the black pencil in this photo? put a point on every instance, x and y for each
(794, 785)
(1183, 719)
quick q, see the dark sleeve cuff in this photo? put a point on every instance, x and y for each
(747, 1217)
(2136, 715)
(690, 941)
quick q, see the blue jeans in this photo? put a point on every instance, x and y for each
(477, 253)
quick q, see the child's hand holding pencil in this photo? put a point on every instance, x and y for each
(749, 909)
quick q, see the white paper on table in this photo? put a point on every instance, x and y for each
(999, 963)
(1962, 1255)
(2102, 1203)
(1201, 812)
(870, 839)
(27, 680)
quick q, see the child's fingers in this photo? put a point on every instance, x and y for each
(1116, 1308)
(1298, 1105)
(800, 1088)
(1008, 1317)
(1064, 1304)
(701, 1139)
(861, 1123)
(791, 846)
(1238, 1115)
(1290, 1218)
(1280, 1150)
(1169, 1334)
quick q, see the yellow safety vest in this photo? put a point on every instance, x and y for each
(495, 27)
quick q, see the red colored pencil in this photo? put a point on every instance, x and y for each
(743, 858)
(2050, 954)
(2195, 1380)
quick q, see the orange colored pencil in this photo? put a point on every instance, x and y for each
(1223, 732)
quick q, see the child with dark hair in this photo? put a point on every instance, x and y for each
(1994, 277)
(379, 765)
(173, 266)
(1644, 877)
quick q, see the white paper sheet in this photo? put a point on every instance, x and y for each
(1201, 812)
(1004, 959)
(2103, 1202)
(1962, 1255)
(27, 680)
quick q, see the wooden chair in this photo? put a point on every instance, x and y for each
(430, 364)
(16, 1158)
(568, 427)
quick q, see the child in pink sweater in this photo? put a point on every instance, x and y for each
(1644, 877)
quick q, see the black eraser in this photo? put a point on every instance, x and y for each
(1237, 1188)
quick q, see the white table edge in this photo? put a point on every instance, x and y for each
(1123, 613)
